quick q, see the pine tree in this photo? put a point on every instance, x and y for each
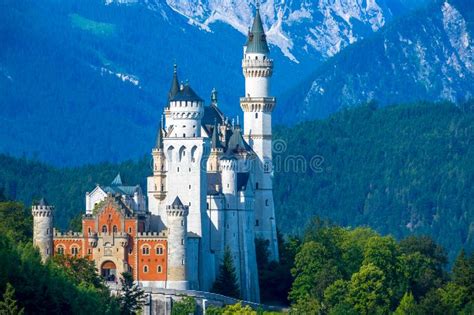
(9, 305)
(132, 298)
(463, 271)
(407, 305)
(226, 282)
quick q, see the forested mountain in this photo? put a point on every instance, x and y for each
(428, 55)
(401, 170)
(101, 69)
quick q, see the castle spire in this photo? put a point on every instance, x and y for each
(215, 143)
(117, 180)
(159, 137)
(214, 97)
(174, 83)
(257, 40)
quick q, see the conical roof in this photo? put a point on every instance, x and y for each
(174, 84)
(117, 180)
(237, 143)
(186, 93)
(177, 203)
(257, 40)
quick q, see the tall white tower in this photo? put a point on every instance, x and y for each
(177, 238)
(186, 152)
(43, 228)
(258, 106)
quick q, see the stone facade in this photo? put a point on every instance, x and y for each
(210, 191)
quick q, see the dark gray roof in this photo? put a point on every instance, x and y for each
(257, 40)
(123, 190)
(117, 180)
(213, 180)
(242, 181)
(186, 93)
(117, 187)
(215, 142)
(236, 143)
(174, 84)
(177, 204)
(212, 115)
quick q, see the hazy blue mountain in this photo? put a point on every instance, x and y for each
(428, 55)
(85, 81)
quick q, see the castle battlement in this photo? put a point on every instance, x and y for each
(162, 234)
(69, 234)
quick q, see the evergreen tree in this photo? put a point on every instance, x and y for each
(226, 282)
(132, 297)
(9, 305)
(463, 272)
(407, 305)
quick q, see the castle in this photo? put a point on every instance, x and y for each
(210, 191)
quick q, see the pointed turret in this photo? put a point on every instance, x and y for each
(214, 97)
(177, 204)
(215, 142)
(159, 137)
(257, 40)
(174, 83)
(117, 180)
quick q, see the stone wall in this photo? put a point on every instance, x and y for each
(160, 301)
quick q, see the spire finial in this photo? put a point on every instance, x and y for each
(214, 96)
(257, 4)
(175, 68)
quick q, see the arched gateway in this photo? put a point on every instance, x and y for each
(108, 270)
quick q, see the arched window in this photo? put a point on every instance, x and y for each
(256, 185)
(159, 269)
(89, 230)
(193, 153)
(256, 115)
(104, 228)
(266, 202)
(182, 152)
(129, 230)
(145, 268)
(170, 153)
(146, 250)
(159, 250)
(115, 229)
(60, 250)
(74, 250)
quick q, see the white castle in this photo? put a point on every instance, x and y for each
(211, 189)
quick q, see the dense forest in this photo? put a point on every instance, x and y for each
(330, 270)
(401, 170)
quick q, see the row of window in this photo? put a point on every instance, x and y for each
(159, 249)
(74, 250)
(159, 269)
(114, 229)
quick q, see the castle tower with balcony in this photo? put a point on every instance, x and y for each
(258, 106)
